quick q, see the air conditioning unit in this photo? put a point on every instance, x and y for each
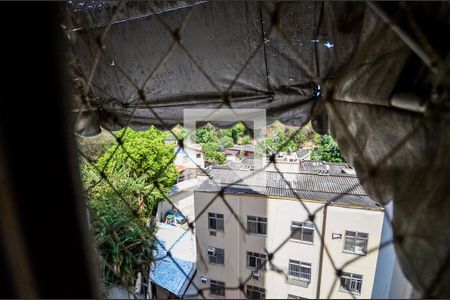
(204, 279)
(211, 251)
(256, 275)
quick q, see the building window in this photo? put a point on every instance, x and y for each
(351, 283)
(257, 225)
(198, 155)
(254, 292)
(217, 288)
(356, 242)
(216, 256)
(215, 222)
(300, 270)
(302, 231)
(256, 260)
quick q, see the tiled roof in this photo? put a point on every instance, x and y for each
(315, 166)
(302, 153)
(164, 271)
(231, 152)
(249, 147)
(340, 189)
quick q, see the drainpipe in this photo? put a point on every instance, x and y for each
(322, 247)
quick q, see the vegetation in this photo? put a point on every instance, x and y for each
(285, 139)
(179, 131)
(327, 150)
(215, 140)
(123, 187)
(279, 138)
(226, 142)
(94, 147)
(124, 184)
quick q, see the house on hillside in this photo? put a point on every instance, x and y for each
(241, 151)
(189, 160)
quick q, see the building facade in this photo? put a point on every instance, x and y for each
(260, 236)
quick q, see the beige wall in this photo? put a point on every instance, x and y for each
(280, 214)
(339, 220)
(229, 240)
(183, 200)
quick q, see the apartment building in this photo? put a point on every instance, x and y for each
(262, 236)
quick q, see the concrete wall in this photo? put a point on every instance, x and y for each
(115, 292)
(281, 214)
(183, 200)
(338, 221)
(228, 240)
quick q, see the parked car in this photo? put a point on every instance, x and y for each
(173, 214)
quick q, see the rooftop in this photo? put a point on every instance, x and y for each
(332, 168)
(165, 272)
(301, 153)
(341, 189)
(248, 147)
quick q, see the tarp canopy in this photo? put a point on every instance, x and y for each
(226, 40)
(380, 86)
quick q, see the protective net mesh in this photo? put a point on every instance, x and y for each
(84, 84)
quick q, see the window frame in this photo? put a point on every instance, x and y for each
(219, 286)
(217, 220)
(302, 226)
(257, 257)
(256, 289)
(215, 256)
(356, 238)
(257, 221)
(354, 280)
(301, 273)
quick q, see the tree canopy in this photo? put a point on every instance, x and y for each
(214, 140)
(123, 187)
(327, 150)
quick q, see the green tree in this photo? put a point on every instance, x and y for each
(288, 145)
(226, 142)
(245, 140)
(327, 150)
(299, 136)
(206, 134)
(179, 131)
(225, 132)
(143, 155)
(121, 198)
(212, 154)
(238, 131)
(215, 157)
